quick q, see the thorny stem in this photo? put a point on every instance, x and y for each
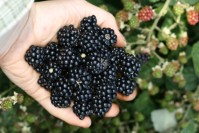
(161, 13)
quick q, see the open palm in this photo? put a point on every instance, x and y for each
(45, 19)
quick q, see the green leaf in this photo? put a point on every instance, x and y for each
(190, 128)
(195, 57)
(143, 104)
(191, 2)
(190, 77)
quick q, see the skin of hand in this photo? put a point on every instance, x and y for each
(45, 19)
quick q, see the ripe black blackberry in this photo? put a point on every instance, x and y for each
(51, 52)
(51, 71)
(59, 100)
(63, 87)
(88, 24)
(142, 57)
(47, 84)
(109, 75)
(125, 86)
(106, 91)
(82, 109)
(129, 66)
(83, 94)
(108, 37)
(79, 78)
(98, 62)
(67, 58)
(90, 42)
(100, 107)
(35, 57)
(68, 36)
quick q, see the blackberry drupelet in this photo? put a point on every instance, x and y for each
(81, 109)
(35, 57)
(52, 71)
(59, 100)
(100, 107)
(125, 86)
(108, 37)
(79, 78)
(51, 52)
(67, 58)
(68, 36)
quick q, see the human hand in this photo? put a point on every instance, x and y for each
(45, 19)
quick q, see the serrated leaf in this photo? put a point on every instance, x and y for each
(195, 57)
(190, 128)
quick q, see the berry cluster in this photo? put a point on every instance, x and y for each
(85, 67)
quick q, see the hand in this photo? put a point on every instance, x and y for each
(45, 19)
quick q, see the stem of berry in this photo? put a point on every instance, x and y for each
(162, 13)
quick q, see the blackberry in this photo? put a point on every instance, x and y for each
(79, 78)
(88, 24)
(116, 55)
(106, 91)
(51, 52)
(51, 71)
(44, 82)
(109, 75)
(142, 57)
(63, 88)
(67, 58)
(108, 37)
(81, 109)
(68, 36)
(83, 94)
(130, 66)
(125, 86)
(100, 107)
(35, 57)
(59, 100)
(89, 42)
(97, 62)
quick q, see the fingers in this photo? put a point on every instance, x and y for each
(114, 110)
(65, 114)
(127, 98)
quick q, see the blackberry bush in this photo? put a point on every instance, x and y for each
(85, 67)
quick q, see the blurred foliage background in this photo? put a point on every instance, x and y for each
(168, 85)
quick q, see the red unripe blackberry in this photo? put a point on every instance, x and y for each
(146, 14)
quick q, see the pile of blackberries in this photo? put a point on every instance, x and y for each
(85, 67)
